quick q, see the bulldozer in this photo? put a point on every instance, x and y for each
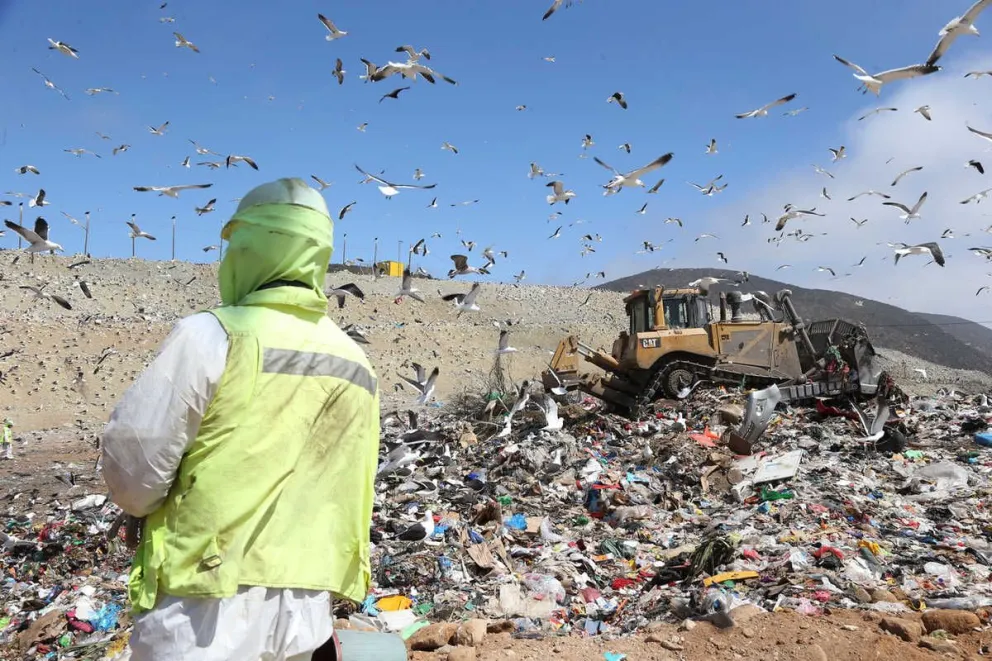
(673, 344)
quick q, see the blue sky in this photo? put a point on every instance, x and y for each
(685, 73)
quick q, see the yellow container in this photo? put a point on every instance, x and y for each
(391, 268)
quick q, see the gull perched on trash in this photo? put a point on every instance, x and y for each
(560, 194)
(909, 214)
(465, 302)
(63, 48)
(332, 30)
(549, 407)
(874, 82)
(420, 531)
(170, 191)
(956, 27)
(632, 178)
(183, 42)
(344, 291)
(390, 189)
(407, 288)
(35, 242)
(422, 384)
(763, 110)
(930, 248)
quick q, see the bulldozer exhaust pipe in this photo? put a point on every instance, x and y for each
(785, 300)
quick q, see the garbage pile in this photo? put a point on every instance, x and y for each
(598, 525)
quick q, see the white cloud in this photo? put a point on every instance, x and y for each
(942, 146)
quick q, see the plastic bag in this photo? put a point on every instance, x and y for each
(544, 586)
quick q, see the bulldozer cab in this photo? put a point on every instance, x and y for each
(660, 309)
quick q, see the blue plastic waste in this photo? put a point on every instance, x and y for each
(517, 522)
(984, 439)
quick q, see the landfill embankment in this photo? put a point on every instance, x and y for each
(604, 538)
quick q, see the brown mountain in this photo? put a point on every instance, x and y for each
(942, 339)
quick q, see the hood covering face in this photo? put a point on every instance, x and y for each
(281, 231)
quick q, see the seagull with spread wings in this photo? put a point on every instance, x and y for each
(390, 189)
(632, 178)
(909, 214)
(763, 110)
(874, 82)
(170, 191)
(930, 248)
(955, 28)
(35, 242)
(332, 30)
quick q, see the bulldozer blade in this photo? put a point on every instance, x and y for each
(757, 414)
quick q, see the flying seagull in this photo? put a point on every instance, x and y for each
(136, 232)
(925, 111)
(977, 197)
(39, 199)
(875, 112)
(793, 113)
(345, 209)
(560, 194)
(206, 208)
(407, 288)
(869, 192)
(424, 385)
(320, 182)
(63, 48)
(839, 153)
(555, 6)
(874, 82)
(504, 343)
(339, 71)
(910, 213)
(41, 295)
(462, 267)
(170, 191)
(977, 74)
(975, 164)
(791, 212)
(619, 99)
(234, 159)
(763, 110)
(820, 170)
(632, 178)
(931, 248)
(183, 42)
(344, 291)
(859, 223)
(711, 148)
(465, 302)
(36, 243)
(24, 169)
(50, 85)
(160, 130)
(414, 54)
(956, 27)
(981, 134)
(905, 172)
(332, 31)
(395, 94)
(447, 146)
(389, 189)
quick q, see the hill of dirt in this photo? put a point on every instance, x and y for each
(949, 341)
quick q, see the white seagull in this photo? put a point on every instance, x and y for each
(344, 291)
(874, 82)
(931, 248)
(956, 27)
(424, 385)
(560, 194)
(632, 178)
(63, 48)
(763, 110)
(390, 189)
(136, 232)
(504, 343)
(465, 302)
(35, 242)
(905, 172)
(910, 213)
(169, 191)
(332, 31)
(183, 42)
(407, 289)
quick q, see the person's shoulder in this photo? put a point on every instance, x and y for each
(346, 347)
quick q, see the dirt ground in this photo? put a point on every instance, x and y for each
(783, 636)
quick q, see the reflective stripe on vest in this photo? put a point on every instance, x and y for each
(309, 363)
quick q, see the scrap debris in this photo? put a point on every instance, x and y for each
(601, 527)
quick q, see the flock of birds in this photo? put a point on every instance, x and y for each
(415, 67)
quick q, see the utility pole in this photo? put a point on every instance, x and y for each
(173, 238)
(344, 248)
(375, 256)
(86, 237)
(20, 221)
(399, 250)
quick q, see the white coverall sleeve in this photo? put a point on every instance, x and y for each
(160, 414)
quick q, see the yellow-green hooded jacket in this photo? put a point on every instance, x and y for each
(276, 489)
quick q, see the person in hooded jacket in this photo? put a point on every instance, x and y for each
(249, 448)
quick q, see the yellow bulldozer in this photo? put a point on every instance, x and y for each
(673, 344)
